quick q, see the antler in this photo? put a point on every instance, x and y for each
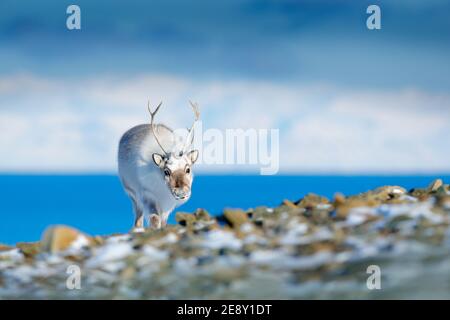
(152, 115)
(190, 137)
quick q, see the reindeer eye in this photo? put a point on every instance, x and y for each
(167, 172)
(188, 170)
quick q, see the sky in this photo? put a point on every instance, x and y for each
(345, 99)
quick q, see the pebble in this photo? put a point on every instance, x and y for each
(235, 218)
(61, 238)
(435, 185)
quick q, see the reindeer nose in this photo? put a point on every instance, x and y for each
(182, 192)
(179, 184)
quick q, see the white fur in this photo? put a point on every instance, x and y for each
(142, 179)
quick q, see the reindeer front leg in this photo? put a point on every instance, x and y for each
(158, 221)
(138, 225)
(153, 217)
(164, 218)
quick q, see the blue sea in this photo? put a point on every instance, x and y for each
(97, 204)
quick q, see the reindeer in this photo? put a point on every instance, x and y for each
(155, 168)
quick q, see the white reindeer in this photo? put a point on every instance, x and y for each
(155, 172)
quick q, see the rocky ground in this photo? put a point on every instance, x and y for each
(311, 248)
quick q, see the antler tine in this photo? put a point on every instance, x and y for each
(196, 111)
(152, 124)
(190, 137)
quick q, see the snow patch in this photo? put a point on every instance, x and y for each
(110, 252)
(218, 239)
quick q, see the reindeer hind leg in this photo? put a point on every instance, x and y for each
(138, 225)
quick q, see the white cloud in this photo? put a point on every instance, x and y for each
(52, 124)
(377, 131)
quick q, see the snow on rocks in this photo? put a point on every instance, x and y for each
(219, 239)
(108, 253)
(313, 247)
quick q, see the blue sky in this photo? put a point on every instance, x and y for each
(345, 99)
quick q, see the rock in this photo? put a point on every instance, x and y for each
(235, 217)
(196, 220)
(4, 247)
(443, 200)
(321, 216)
(29, 249)
(311, 200)
(435, 185)
(97, 240)
(388, 192)
(343, 208)
(289, 204)
(61, 238)
(339, 199)
(202, 214)
(185, 219)
(262, 212)
(127, 273)
(284, 209)
(227, 275)
(420, 194)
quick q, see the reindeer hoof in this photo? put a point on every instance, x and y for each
(155, 221)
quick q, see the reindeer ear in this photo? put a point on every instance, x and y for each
(193, 155)
(158, 159)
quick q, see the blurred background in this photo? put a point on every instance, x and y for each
(356, 108)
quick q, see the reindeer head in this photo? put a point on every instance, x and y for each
(176, 166)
